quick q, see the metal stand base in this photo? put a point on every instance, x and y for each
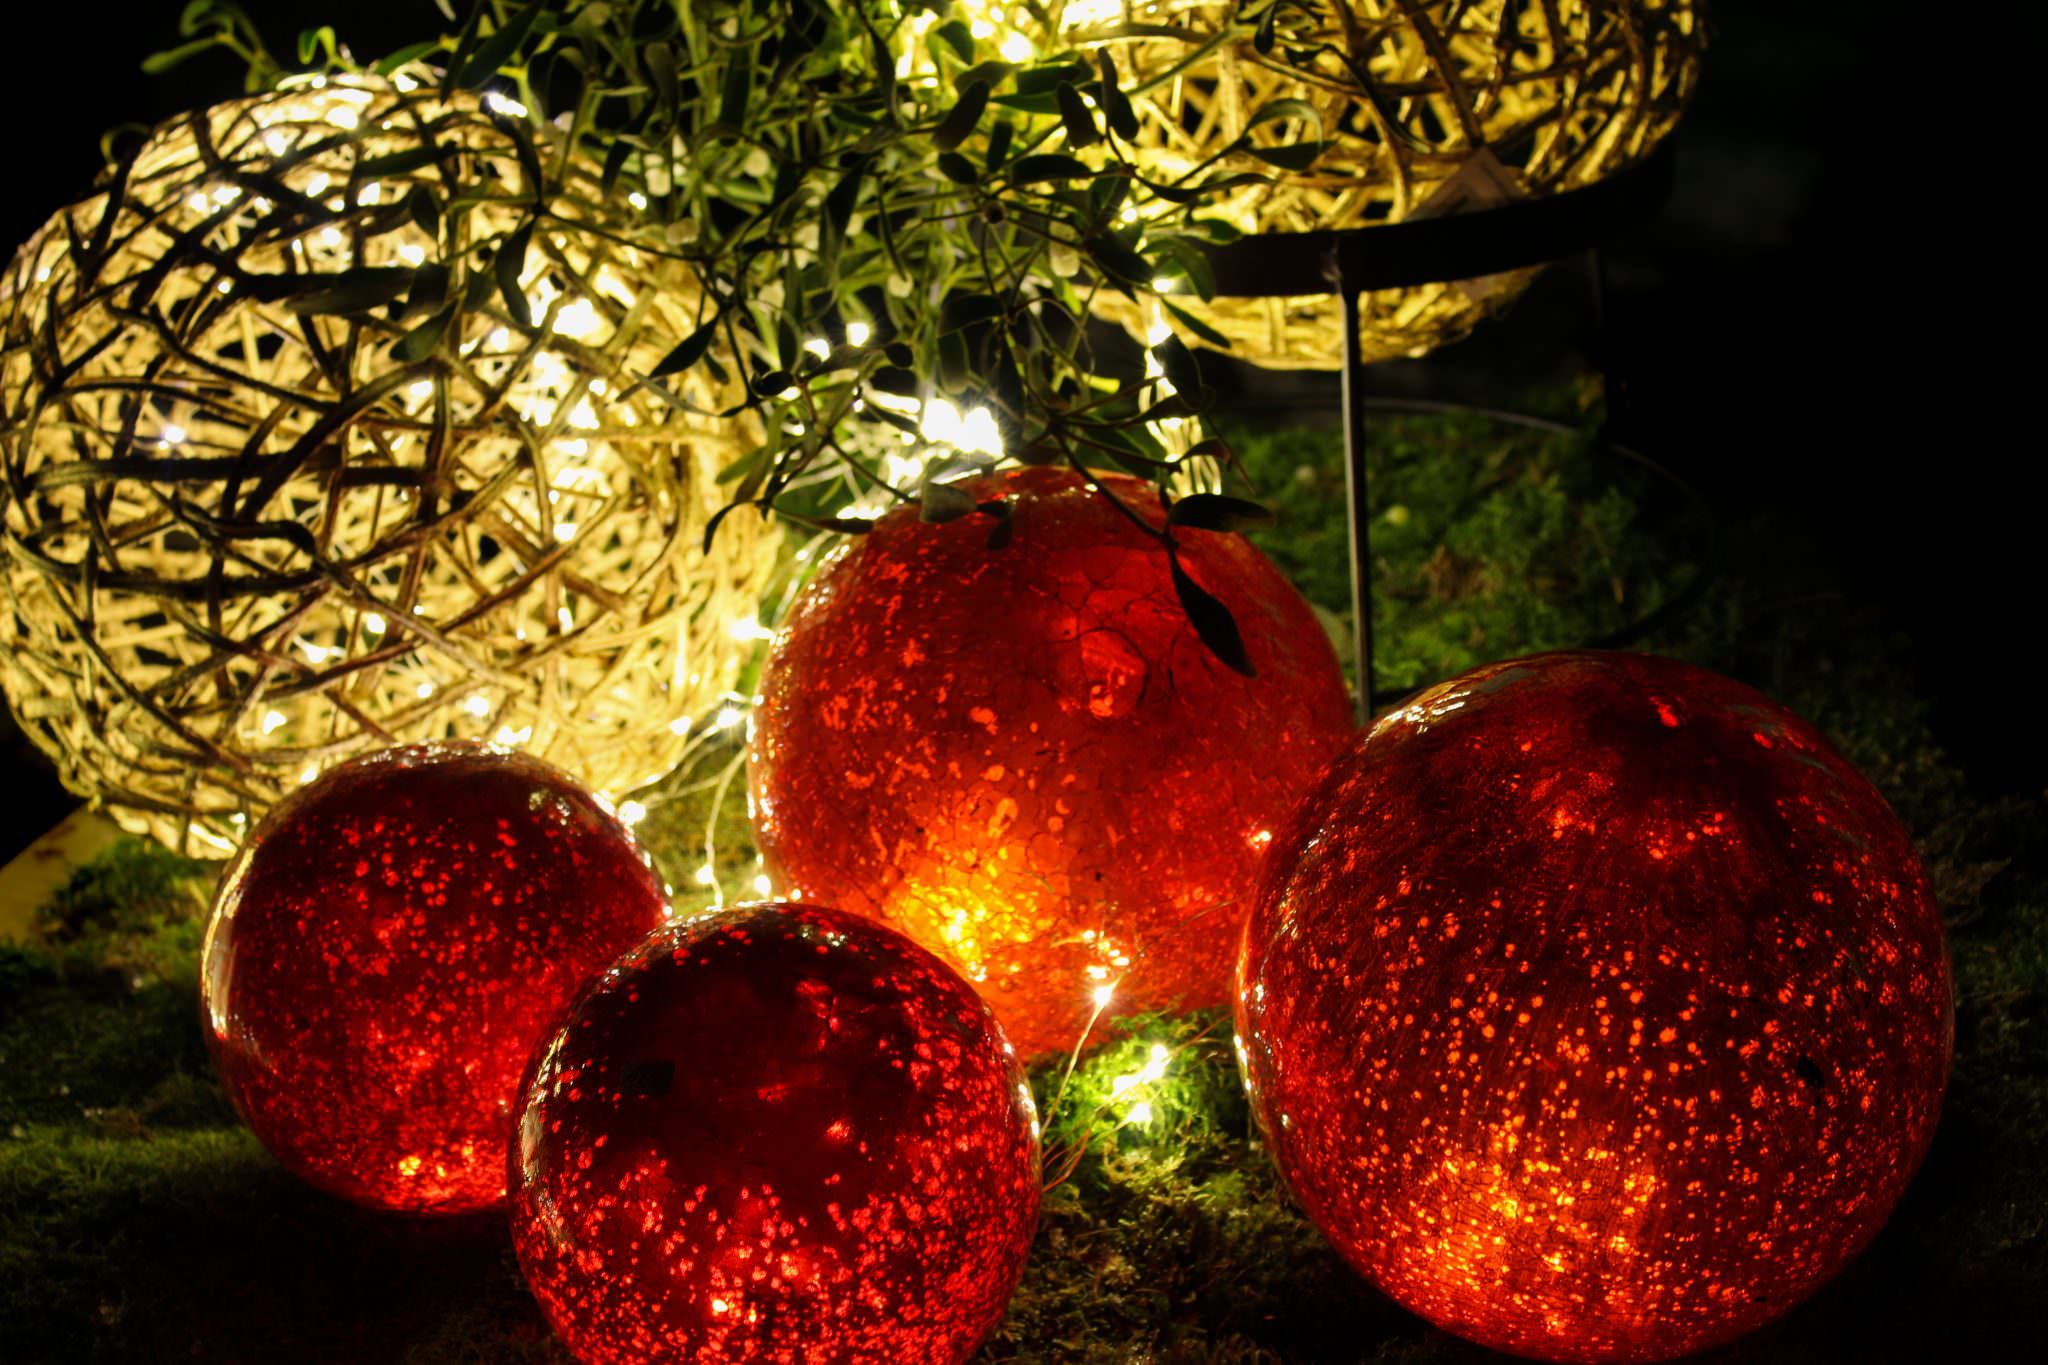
(1400, 255)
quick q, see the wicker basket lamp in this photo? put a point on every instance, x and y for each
(285, 478)
(1422, 103)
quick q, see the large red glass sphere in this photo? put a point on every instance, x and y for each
(776, 1134)
(387, 949)
(1026, 759)
(1595, 1008)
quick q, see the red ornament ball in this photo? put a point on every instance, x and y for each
(1025, 758)
(1595, 1008)
(779, 1133)
(388, 948)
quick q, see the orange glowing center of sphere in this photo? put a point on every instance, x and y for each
(1026, 759)
(1595, 1008)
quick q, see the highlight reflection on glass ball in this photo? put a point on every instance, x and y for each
(389, 947)
(1026, 759)
(1595, 1008)
(780, 1133)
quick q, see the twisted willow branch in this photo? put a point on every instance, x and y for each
(1522, 97)
(320, 430)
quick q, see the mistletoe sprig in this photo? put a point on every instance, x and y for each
(891, 220)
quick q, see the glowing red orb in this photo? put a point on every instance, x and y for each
(1595, 1008)
(1026, 759)
(779, 1133)
(388, 948)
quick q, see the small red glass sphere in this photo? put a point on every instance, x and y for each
(388, 948)
(1595, 1008)
(1026, 759)
(776, 1134)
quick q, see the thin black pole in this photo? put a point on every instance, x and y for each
(1354, 488)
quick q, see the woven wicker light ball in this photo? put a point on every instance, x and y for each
(1426, 106)
(286, 479)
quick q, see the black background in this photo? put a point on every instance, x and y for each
(1835, 315)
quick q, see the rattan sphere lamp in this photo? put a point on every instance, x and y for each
(287, 472)
(1422, 108)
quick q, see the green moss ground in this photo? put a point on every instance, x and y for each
(138, 1222)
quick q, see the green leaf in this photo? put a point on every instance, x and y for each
(1192, 263)
(1078, 119)
(424, 207)
(465, 44)
(405, 56)
(1218, 512)
(964, 310)
(156, 63)
(990, 74)
(689, 350)
(1174, 405)
(398, 163)
(509, 265)
(846, 526)
(1177, 362)
(421, 341)
(943, 502)
(1172, 194)
(717, 518)
(1212, 621)
(839, 203)
(529, 158)
(999, 139)
(476, 290)
(1296, 157)
(312, 40)
(1117, 259)
(893, 379)
(1044, 80)
(738, 85)
(497, 49)
(1042, 166)
(955, 366)
(1236, 180)
(958, 36)
(1005, 529)
(1194, 324)
(615, 157)
(961, 119)
(1116, 106)
(429, 290)
(772, 383)
(357, 290)
(1216, 230)
(1274, 111)
(956, 168)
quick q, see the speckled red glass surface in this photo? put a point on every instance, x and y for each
(1595, 1008)
(389, 947)
(1025, 758)
(776, 1134)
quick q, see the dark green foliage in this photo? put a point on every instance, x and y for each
(139, 1223)
(1487, 539)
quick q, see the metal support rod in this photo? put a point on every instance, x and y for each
(1355, 498)
(1614, 387)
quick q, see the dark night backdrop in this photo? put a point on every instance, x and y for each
(1835, 314)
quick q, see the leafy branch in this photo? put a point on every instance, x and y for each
(890, 219)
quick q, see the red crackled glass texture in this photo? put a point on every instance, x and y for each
(389, 947)
(776, 1134)
(1595, 1008)
(1026, 759)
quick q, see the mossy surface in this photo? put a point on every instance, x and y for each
(139, 1222)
